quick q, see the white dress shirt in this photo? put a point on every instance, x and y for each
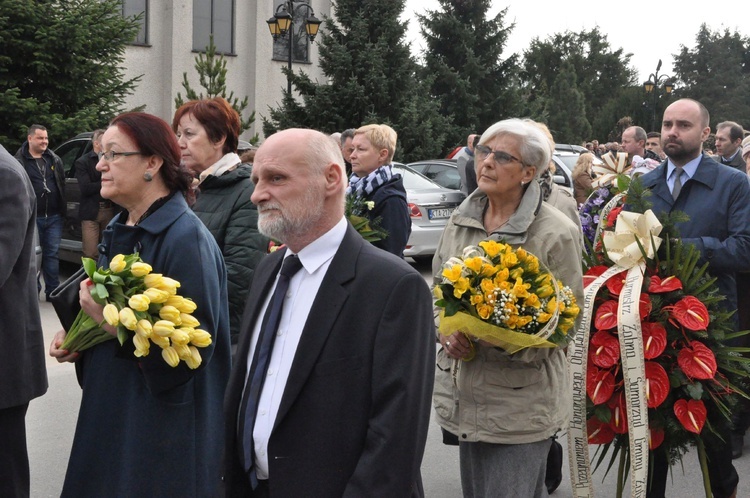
(303, 288)
(688, 170)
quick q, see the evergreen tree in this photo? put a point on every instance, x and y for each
(370, 78)
(61, 66)
(601, 72)
(212, 74)
(566, 109)
(474, 84)
(717, 73)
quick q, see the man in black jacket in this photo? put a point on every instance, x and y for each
(93, 210)
(47, 176)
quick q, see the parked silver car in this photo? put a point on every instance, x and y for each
(441, 171)
(430, 206)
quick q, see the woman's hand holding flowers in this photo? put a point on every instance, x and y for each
(456, 345)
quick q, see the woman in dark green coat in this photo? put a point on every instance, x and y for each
(207, 131)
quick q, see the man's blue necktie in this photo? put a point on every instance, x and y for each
(261, 358)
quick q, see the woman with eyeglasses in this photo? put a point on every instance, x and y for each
(145, 428)
(207, 132)
(504, 407)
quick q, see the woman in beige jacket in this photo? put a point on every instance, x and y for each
(505, 407)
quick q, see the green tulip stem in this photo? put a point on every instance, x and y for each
(621, 474)
(704, 466)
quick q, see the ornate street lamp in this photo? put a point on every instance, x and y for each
(652, 87)
(282, 24)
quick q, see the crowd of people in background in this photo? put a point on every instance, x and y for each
(322, 365)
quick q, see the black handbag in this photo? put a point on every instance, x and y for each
(65, 299)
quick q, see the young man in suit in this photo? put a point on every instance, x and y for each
(717, 200)
(341, 403)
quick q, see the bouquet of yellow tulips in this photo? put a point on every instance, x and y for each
(144, 307)
(505, 297)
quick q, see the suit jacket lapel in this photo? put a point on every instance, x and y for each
(325, 309)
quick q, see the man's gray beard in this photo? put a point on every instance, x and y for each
(285, 225)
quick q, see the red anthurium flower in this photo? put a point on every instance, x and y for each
(615, 283)
(592, 273)
(657, 384)
(619, 420)
(600, 384)
(612, 216)
(655, 437)
(668, 284)
(691, 313)
(606, 316)
(599, 432)
(644, 305)
(654, 339)
(697, 361)
(604, 350)
(691, 414)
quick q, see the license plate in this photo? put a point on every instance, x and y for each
(439, 214)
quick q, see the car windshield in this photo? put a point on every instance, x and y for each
(413, 180)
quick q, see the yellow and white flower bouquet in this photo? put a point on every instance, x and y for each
(504, 296)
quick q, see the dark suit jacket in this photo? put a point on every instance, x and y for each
(22, 372)
(90, 183)
(717, 200)
(354, 414)
(737, 162)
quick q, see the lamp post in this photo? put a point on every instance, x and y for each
(652, 87)
(282, 23)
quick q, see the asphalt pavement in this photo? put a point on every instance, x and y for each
(51, 421)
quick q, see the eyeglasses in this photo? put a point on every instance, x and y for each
(110, 155)
(500, 157)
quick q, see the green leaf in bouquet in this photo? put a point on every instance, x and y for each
(89, 266)
(452, 307)
(603, 413)
(100, 293)
(695, 390)
(122, 334)
(116, 280)
(99, 277)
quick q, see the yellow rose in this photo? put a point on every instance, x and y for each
(180, 337)
(516, 273)
(545, 291)
(142, 345)
(128, 319)
(509, 259)
(140, 269)
(485, 311)
(453, 273)
(551, 306)
(501, 276)
(170, 313)
(117, 264)
(520, 289)
(189, 320)
(521, 254)
(474, 264)
(460, 287)
(533, 301)
(476, 299)
(163, 328)
(200, 338)
(143, 328)
(543, 317)
(170, 356)
(532, 264)
(491, 247)
(139, 302)
(489, 270)
(111, 315)
(487, 286)
(195, 358)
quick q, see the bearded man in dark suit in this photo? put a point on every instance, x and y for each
(342, 402)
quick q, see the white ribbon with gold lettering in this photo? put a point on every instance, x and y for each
(607, 172)
(626, 253)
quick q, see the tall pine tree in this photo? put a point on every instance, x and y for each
(464, 55)
(61, 66)
(371, 78)
(565, 109)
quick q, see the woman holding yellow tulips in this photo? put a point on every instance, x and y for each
(504, 407)
(146, 427)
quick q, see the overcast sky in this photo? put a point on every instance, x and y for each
(654, 31)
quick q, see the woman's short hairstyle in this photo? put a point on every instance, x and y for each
(153, 137)
(381, 137)
(218, 118)
(534, 146)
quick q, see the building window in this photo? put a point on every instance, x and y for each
(301, 45)
(213, 17)
(136, 8)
